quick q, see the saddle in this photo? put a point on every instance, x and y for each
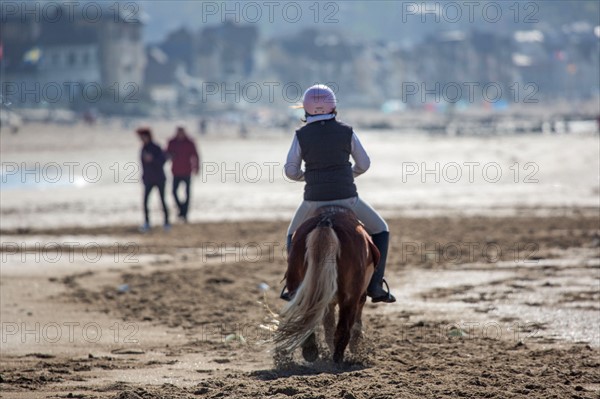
(327, 213)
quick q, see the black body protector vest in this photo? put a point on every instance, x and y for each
(326, 147)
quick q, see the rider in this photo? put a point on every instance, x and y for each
(325, 145)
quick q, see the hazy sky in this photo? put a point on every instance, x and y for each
(401, 21)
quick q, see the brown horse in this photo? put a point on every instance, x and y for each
(331, 262)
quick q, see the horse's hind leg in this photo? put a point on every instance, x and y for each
(329, 326)
(356, 334)
(347, 317)
(310, 350)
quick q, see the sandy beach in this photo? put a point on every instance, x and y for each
(179, 315)
(497, 281)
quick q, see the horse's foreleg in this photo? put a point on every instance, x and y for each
(329, 326)
(356, 334)
(347, 317)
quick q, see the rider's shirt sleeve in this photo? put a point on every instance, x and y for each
(362, 162)
(293, 163)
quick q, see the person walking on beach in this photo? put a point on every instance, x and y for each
(184, 161)
(326, 145)
(153, 175)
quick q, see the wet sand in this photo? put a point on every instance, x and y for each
(494, 307)
(78, 175)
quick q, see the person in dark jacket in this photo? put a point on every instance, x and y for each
(184, 162)
(326, 145)
(153, 175)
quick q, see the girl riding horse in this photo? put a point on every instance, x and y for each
(326, 145)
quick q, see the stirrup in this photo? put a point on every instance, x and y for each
(387, 298)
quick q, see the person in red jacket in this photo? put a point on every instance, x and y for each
(184, 161)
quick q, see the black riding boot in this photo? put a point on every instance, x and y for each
(286, 295)
(375, 289)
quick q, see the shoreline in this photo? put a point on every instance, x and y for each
(126, 228)
(411, 175)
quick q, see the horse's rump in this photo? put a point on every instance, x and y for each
(350, 233)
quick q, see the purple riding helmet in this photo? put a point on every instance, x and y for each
(319, 100)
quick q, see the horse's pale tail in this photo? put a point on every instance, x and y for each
(305, 311)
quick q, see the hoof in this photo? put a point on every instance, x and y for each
(310, 351)
(338, 359)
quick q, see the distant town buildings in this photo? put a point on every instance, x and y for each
(186, 63)
(196, 71)
(96, 57)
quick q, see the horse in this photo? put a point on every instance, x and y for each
(331, 263)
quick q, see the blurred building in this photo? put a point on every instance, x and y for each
(43, 52)
(225, 52)
(545, 63)
(455, 65)
(563, 63)
(185, 61)
(354, 69)
(160, 78)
